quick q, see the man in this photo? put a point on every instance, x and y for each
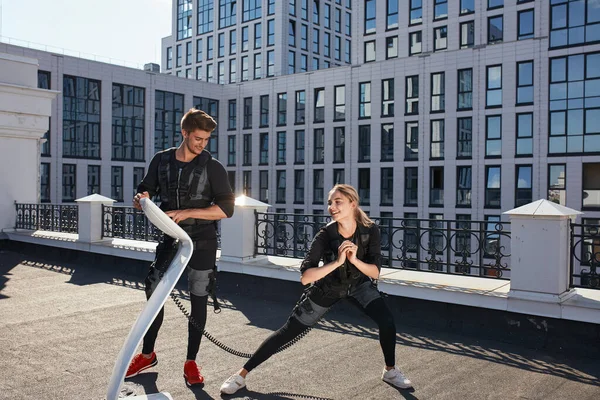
(194, 191)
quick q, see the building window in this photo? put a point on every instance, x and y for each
(281, 109)
(525, 24)
(464, 135)
(387, 187)
(467, 6)
(492, 187)
(412, 95)
(370, 17)
(327, 16)
(557, 184)
(263, 186)
(416, 12)
(370, 51)
(387, 97)
(292, 34)
(178, 57)
(264, 111)
(326, 44)
(232, 115)
(300, 106)
(299, 146)
(245, 38)
(465, 89)
(467, 34)
(280, 195)
(169, 58)
(523, 192)
(251, 9)
(364, 143)
(45, 182)
(438, 88)
(184, 19)
(391, 14)
(495, 4)
(411, 186)
(93, 180)
(315, 18)
(364, 186)
(168, 114)
(292, 7)
(337, 44)
(247, 149)
(221, 67)
(318, 186)
(231, 179)
(574, 22)
(232, 42)
(271, 32)
(463, 186)
(591, 185)
(340, 103)
(128, 116)
(247, 183)
(391, 47)
(412, 141)
(364, 105)
(69, 182)
(232, 70)
(319, 111)
(291, 62)
(205, 16)
(414, 43)
(440, 38)
(437, 139)
(209, 47)
(138, 175)
(247, 113)
(303, 63)
(339, 148)
(227, 13)
(387, 142)
(495, 29)
(257, 66)
(315, 63)
(494, 86)
(81, 117)
(574, 116)
(188, 53)
(304, 9)
(440, 9)
(299, 187)
(339, 176)
(271, 63)
(525, 83)
(316, 45)
(244, 68)
(116, 184)
(524, 134)
(281, 147)
(493, 136)
(199, 50)
(319, 146)
(264, 148)
(436, 186)
(303, 37)
(231, 150)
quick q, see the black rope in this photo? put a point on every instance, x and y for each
(224, 346)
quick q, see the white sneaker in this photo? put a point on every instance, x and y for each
(396, 378)
(234, 383)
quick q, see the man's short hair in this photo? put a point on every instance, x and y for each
(197, 119)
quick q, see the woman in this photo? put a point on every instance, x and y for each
(350, 247)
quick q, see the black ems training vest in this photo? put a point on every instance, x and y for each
(187, 187)
(348, 273)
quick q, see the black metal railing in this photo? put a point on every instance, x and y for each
(47, 217)
(459, 247)
(585, 256)
(130, 223)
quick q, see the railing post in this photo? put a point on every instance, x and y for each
(540, 248)
(90, 217)
(238, 233)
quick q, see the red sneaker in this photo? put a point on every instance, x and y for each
(140, 363)
(191, 373)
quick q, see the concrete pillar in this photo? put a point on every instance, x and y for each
(24, 118)
(237, 232)
(540, 256)
(90, 217)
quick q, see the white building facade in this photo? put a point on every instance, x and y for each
(449, 109)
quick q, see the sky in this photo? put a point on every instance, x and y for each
(128, 32)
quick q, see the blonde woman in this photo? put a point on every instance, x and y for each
(350, 248)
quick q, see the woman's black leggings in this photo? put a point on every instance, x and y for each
(198, 312)
(377, 310)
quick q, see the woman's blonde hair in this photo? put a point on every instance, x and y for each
(351, 194)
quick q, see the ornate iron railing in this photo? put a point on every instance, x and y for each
(47, 217)
(471, 248)
(585, 256)
(130, 223)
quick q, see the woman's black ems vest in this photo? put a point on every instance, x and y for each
(346, 275)
(187, 187)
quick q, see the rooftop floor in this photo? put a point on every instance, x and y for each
(62, 326)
